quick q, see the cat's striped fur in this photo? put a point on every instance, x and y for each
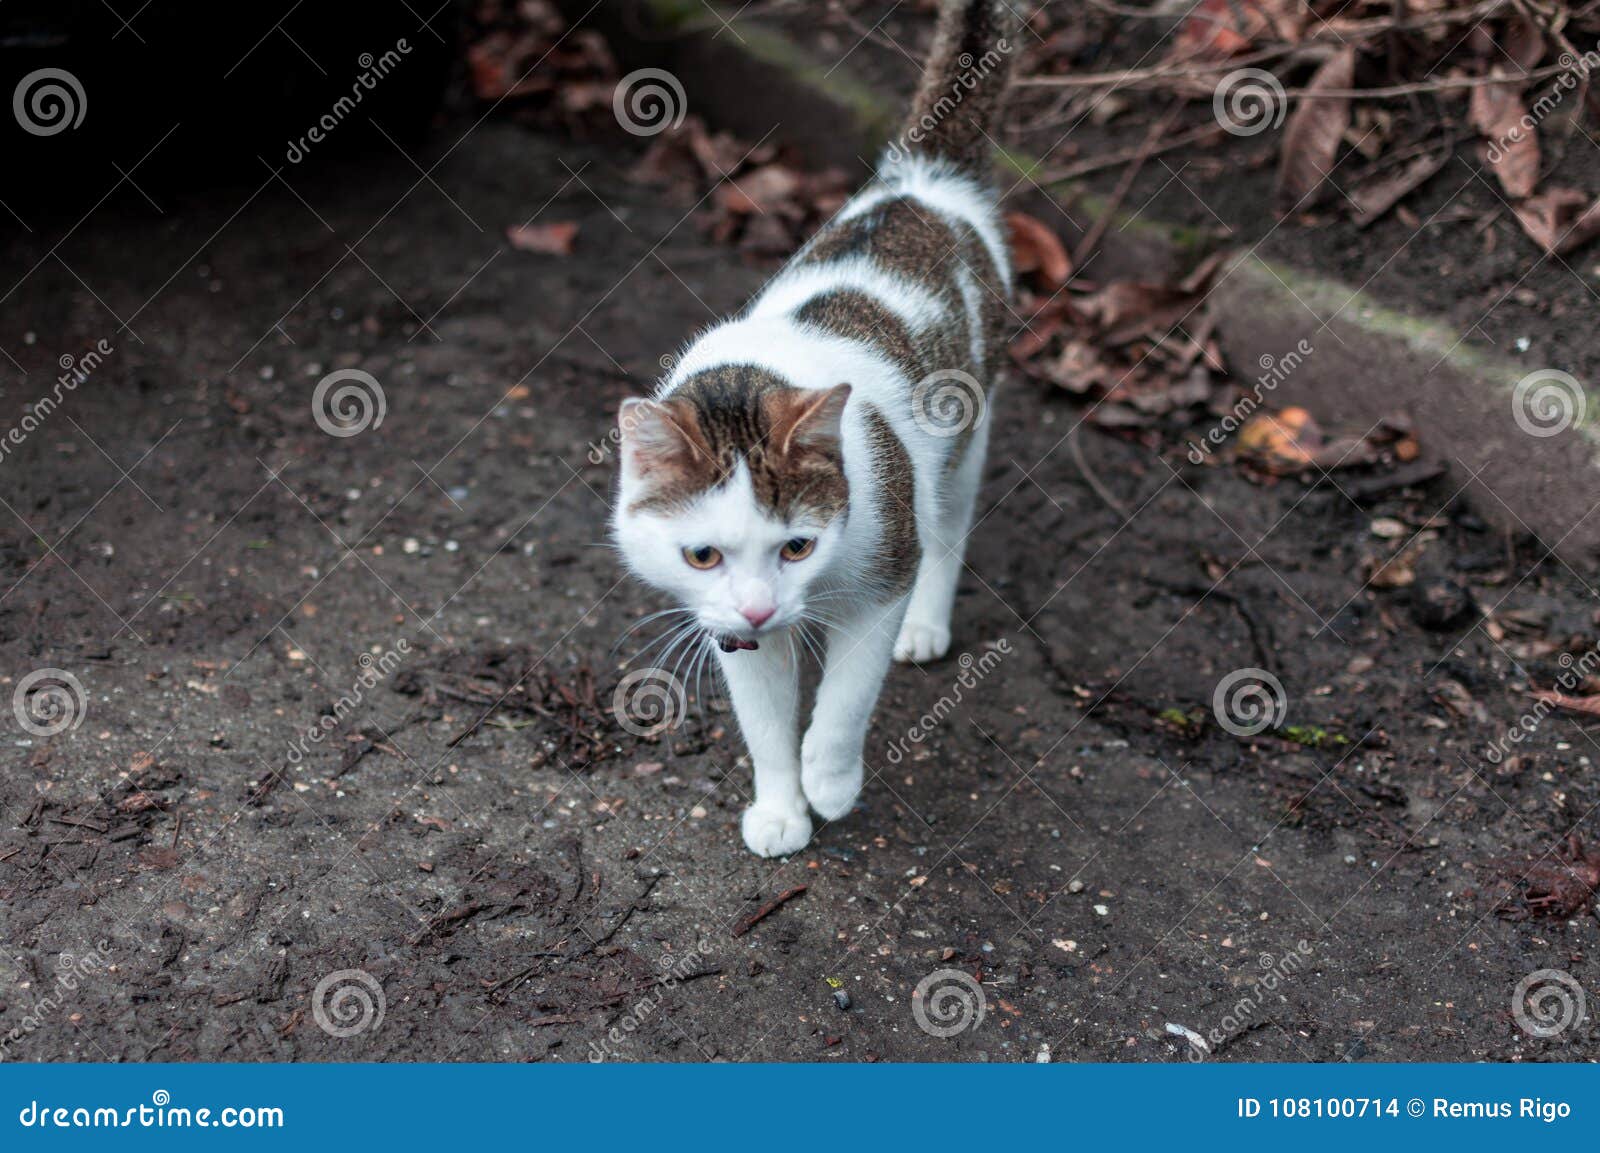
(814, 461)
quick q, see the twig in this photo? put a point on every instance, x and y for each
(1100, 490)
(1091, 239)
(1161, 72)
(1123, 155)
(1445, 84)
(748, 922)
(1347, 31)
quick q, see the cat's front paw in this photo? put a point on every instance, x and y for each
(775, 830)
(920, 643)
(831, 781)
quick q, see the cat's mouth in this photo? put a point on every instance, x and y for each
(734, 644)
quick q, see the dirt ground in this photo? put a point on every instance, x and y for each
(515, 875)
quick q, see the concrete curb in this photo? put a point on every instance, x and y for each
(1370, 360)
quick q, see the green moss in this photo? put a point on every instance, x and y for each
(1313, 737)
(1188, 723)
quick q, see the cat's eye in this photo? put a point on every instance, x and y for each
(798, 549)
(703, 557)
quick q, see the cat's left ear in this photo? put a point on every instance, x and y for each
(807, 419)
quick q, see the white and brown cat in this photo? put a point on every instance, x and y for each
(813, 462)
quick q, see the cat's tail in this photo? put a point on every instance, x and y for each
(963, 91)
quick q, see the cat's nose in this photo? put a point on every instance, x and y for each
(757, 616)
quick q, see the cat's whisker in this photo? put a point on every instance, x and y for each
(673, 637)
(644, 620)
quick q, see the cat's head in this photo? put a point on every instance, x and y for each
(733, 497)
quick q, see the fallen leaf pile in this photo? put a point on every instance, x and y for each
(1558, 885)
(758, 199)
(1146, 351)
(1379, 95)
(521, 52)
(1143, 349)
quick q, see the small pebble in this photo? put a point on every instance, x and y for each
(1075, 887)
(842, 999)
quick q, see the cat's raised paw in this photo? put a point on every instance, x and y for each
(919, 643)
(775, 831)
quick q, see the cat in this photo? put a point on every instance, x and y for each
(814, 461)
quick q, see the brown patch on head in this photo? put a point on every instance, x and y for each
(695, 439)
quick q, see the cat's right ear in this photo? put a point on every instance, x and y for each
(661, 440)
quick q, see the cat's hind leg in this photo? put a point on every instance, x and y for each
(764, 685)
(925, 634)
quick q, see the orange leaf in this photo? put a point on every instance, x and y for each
(1037, 249)
(550, 239)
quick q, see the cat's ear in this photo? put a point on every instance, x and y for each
(660, 439)
(808, 419)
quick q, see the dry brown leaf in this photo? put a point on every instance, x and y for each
(764, 190)
(1589, 705)
(1035, 248)
(1559, 220)
(554, 239)
(1218, 29)
(1511, 145)
(1311, 140)
(1524, 42)
(1375, 197)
